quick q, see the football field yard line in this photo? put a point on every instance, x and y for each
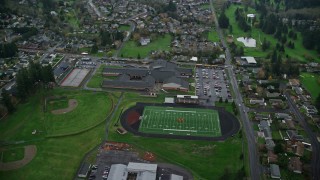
(181, 111)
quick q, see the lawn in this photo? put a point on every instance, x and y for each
(180, 121)
(298, 53)
(57, 158)
(124, 28)
(205, 6)
(57, 104)
(97, 78)
(19, 126)
(205, 159)
(213, 36)
(228, 106)
(312, 83)
(92, 109)
(13, 154)
(131, 49)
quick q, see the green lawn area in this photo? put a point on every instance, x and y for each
(72, 19)
(312, 83)
(298, 53)
(227, 106)
(97, 78)
(124, 28)
(205, 6)
(205, 159)
(131, 49)
(57, 104)
(13, 154)
(180, 121)
(213, 36)
(91, 110)
(57, 158)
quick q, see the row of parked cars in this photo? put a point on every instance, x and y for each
(94, 172)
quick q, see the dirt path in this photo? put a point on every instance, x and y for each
(73, 103)
(29, 153)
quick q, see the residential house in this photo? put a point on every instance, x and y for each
(310, 109)
(270, 144)
(257, 101)
(295, 165)
(297, 90)
(294, 82)
(275, 171)
(293, 136)
(298, 148)
(272, 158)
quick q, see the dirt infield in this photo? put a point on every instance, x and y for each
(72, 104)
(29, 153)
(229, 123)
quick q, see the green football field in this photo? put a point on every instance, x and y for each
(180, 121)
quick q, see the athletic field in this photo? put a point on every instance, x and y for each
(180, 121)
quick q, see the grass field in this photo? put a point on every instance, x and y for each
(63, 153)
(92, 108)
(312, 83)
(180, 121)
(205, 159)
(124, 28)
(57, 104)
(299, 53)
(13, 154)
(131, 49)
(97, 78)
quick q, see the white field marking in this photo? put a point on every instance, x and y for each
(179, 130)
(182, 111)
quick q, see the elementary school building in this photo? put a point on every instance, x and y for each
(162, 74)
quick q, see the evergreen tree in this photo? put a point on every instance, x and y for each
(94, 49)
(7, 100)
(317, 103)
(223, 21)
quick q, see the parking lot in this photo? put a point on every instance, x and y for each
(212, 84)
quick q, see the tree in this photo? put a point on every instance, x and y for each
(317, 103)
(278, 149)
(230, 29)
(226, 100)
(7, 100)
(223, 21)
(220, 100)
(94, 49)
(8, 50)
(171, 7)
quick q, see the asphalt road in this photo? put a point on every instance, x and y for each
(315, 163)
(255, 167)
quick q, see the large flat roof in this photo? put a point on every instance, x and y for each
(249, 59)
(136, 167)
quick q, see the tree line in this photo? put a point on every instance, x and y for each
(8, 50)
(29, 79)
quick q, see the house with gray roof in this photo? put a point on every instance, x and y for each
(275, 171)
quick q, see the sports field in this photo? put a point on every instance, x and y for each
(180, 121)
